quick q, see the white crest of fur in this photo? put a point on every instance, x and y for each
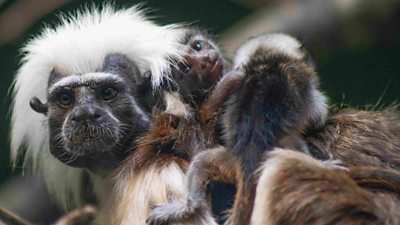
(84, 78)
(275, 160)
(79, 45)
(276, 42)
(136, 193)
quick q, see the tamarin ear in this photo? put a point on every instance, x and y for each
(54, 77)
(38, 106)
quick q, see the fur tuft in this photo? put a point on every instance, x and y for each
(318, 109)
(79, 45)
(175, 105)
(277, 42)
(277, 159)
(146, 189)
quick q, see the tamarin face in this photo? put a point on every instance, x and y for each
(202, 68)
(93, 118)
(203, 59)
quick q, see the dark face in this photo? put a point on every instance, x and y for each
(202, 69)
(93, 118)
(203, 60)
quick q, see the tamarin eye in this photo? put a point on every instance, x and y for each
(186, 70)
(108, 93)
(197, 45)
(65, 98)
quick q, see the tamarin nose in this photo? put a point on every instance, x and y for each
(86, 114)
(212, 57)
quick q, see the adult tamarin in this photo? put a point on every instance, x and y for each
(155, 171)
(276, 100)
(63, 67)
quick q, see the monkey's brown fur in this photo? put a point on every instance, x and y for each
(162, 143)
(376, 178)
(212, 108)
(359, 138)
(302, 190)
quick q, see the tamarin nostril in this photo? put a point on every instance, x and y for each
(97, 116)
(212, 58)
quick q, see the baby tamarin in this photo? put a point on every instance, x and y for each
(202, 68)
(190, 84)
(275, 101)
(191, 80)
(155, 171)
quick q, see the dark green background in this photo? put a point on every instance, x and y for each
(358, 60)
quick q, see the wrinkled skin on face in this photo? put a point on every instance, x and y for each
(94, 118)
